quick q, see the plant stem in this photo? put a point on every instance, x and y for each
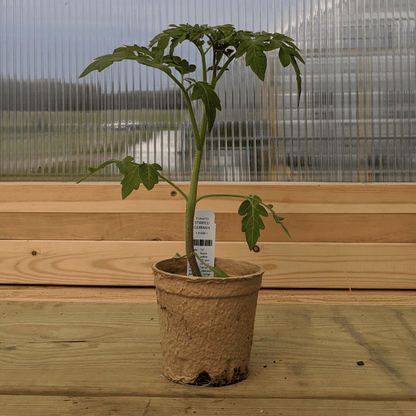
(222, 70)
(204, 64)
(191, 111)
(190, 212)
(221, 195)
(174, 186)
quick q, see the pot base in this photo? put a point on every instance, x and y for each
(204, 379)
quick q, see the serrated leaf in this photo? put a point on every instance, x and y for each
(181, 65)
(242, 49)
(278, 219)
(252, 210)
(148, 174)
(255, 57)
(136, 53)
(162, 40)
(206, 93)
(105, 61)
(124, 166)
(281, 38)
(131, 181)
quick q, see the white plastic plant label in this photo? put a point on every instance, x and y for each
(204, 240)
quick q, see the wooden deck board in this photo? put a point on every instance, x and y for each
(163, 406)
(299, 352)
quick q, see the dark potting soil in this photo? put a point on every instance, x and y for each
(204, 379)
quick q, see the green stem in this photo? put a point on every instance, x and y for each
(214, 69)
(190, 212)
(220, 195)
(204, 63)
(222, 70)
(203, 132)
(191, 111)
(173, 185)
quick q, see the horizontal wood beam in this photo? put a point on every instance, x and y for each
(344, 236)
(158, 226)
(285, 192)
(288, 265)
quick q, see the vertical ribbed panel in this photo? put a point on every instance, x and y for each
(356, 120)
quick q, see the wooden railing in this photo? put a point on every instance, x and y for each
(344, 236)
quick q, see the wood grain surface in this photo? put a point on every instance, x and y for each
(169, 226)
(179, 406)
(302, 192)
(305, 358)
(352, 236)
(327, 340)
(355, 213)
(82, 294)
(288, 265)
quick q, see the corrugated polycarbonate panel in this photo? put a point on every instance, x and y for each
(356, 120)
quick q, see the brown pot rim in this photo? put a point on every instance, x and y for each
(214, 279)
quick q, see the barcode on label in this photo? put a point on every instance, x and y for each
(203, 243)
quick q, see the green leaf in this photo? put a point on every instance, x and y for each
(278, 219)
(136, 53)
(298, 77)
(148, 174)
(252, 210)
(93, 170)
(124, 166)
(181, 65)
(284, 57)
(131, 181)
(255, 57)
(134, 174)
(281, 38)
(216, 270)
(206, 93)
(162, 40)
(105, 61)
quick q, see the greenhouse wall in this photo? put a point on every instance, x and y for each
(355, 122)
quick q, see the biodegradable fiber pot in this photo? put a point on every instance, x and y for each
(206, 324)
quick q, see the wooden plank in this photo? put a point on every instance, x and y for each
(299, 352)
(169, 226)
(302, 192)
(313, 212)
(291, 265)
(218, 205)
(226, 406)
(337, 297)
(70, 294)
